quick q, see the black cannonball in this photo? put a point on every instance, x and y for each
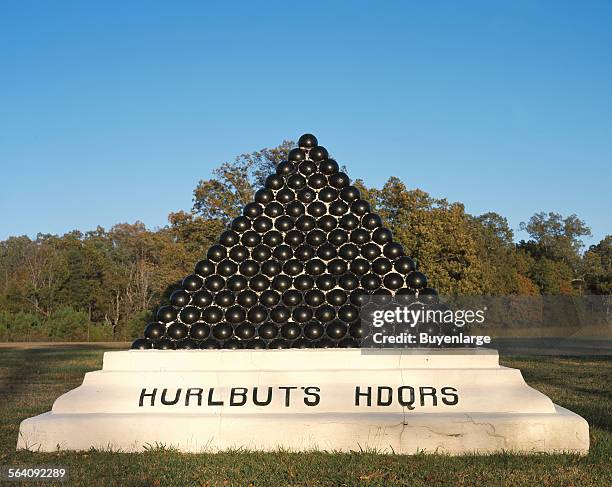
(282, 282)
(142, 344)
(258, 314)
(314, 267)
(293, 267)
(329, 167)
(269, 298)
(290, 331)
(192, 283)
(348, 281)
(247, 298)
(210, 344)
(302, 343)
(393, 250)
(252, 210)
(238, 253)
(317, 180)
(314, 330)
(327, 251)
(338, 237)
(428, 295)
(360, 207)
(328, 194)
(204, 268)
(249, 268)
(166, 314)
(283, 252)
(189, 314)
(279, 344)
(275, 181)
(393, 281)
(318, 153)
(358, 297)
(371, 281)
(285, 196)
(370, 251)
(325, 313)
(199, 331)
(267, 331)
(302, 314)
(360, 266)
(222, 331)
(357, 330)
(405, 296)
(292, 297)
(297, 155)
(186, 344)
(371, 221)
(339, 180)
(307, 141)
(259, 283)
(262, 224)
(233, 344)
(326, 282)
(304, 253)
(307, 195)
(294, 238)
(327, 223)
(284, 223)
(337, 267)
(245, 331)
(271, 268)
(325, 343)
(250, 238)
(296, 181)
(241, 224)
(280, 314)
(381, 266)
(202, 299)
(214, 283)
(336, 330)
(382, 236)
(317, 209)
(177, 331)
(348, 251)
(225, 298)
(273, 238)
(235, 314)
(305, 223)
(212, 315)
(263, 197)
(155, 330)
(229, 238)
(349, 193)
(304, 282)
(261, 253)
(338, 208)
(227, 267)
(256, 344)
(336, 297)
(164, 344)
(348, 313)
(180, 298)
(349, 222)
(295, 209)
(348, 343)
(285, 168)
(360, 236)
(315, 237)
(307, 168)
(274, 209)
(404, 265)
(314, 298)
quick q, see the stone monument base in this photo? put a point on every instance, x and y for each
(451, 401)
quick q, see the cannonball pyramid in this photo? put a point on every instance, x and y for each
(293, 270)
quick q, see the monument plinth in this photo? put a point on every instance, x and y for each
(260, 348)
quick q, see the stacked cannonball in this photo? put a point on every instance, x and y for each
(293, 270)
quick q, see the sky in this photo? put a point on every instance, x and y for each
(113, 111)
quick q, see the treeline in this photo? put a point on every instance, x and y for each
(105, 284)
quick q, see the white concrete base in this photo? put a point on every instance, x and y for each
(448, 401)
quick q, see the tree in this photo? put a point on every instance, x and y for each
(597, 267)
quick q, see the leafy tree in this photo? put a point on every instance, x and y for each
(597, 267)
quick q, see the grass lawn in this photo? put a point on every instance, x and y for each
(31, 379)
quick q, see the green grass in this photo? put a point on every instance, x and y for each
(31, 379)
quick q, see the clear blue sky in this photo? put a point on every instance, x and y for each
(112, 111)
